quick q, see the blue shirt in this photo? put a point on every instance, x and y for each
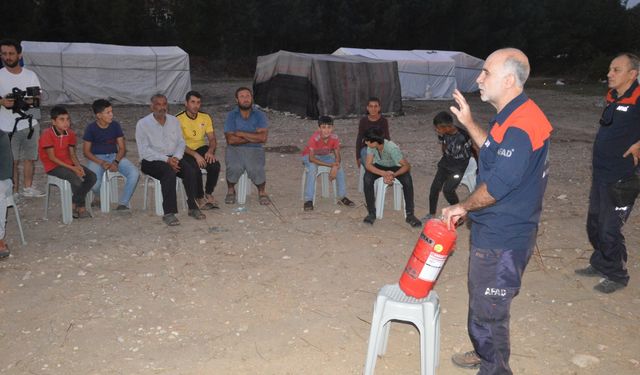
(103, 141)
(235, 122)
(513, 164)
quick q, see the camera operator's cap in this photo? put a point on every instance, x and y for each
(325, 120)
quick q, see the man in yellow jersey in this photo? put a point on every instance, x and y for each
(200, 150)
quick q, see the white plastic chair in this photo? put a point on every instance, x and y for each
(469, 177)
(12, 203)
(361, 179)
(108, 190)
(380, 189)
(323, 173)
(157, 187)
(243, 188)
(393, 304)
(65, 198)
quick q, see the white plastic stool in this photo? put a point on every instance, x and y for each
(108, 190)
(469, 177)
(12, 203)
(361, 179)
(323, 172)
(65, 198)
(380, 189)
(393, 304)
(243, 188)
(157, 187)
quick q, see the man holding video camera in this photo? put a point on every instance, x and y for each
(20, 90)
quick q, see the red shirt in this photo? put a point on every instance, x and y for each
(60, 143)
(319, 146)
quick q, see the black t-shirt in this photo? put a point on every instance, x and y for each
(457, 150)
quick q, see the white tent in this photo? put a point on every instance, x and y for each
(427, 74)
(77, 73)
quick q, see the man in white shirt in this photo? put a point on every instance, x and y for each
(161, 149)
(24, 132)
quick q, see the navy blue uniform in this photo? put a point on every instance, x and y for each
(513, 165)
(620, 128)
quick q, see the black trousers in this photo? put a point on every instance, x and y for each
(407, 189)
(213, 171)
(604, 228)
(79, 186)
(162, 171)
(447, 181)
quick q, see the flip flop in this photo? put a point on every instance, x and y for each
(264, 200)
(230, 198)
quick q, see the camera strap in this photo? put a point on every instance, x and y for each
(23, 116)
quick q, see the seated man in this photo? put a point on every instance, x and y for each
(246, 131)
(384, 159)
(161, 148)
(57, 150)
(105, 148)
(323, 149)
(6, 171)
(200, 152)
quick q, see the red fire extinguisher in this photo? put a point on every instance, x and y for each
(429, 255)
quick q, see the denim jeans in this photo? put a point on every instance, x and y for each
(312, 169)
(126, 168)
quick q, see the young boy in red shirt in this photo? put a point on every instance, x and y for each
(57, 150)
(323, 149)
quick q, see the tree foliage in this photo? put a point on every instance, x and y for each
(556, 34)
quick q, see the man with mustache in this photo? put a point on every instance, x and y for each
(161, 148)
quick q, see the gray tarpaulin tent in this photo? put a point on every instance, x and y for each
(427, 74)
(311, 85)
(82, 72)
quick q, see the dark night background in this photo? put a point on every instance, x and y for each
(571, 37)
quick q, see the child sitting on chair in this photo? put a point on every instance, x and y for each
(57, 150)
(456, 152)
(323, 149)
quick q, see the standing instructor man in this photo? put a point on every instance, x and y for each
(616, 151)
(505, 207)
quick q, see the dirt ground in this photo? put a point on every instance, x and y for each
(257, 292)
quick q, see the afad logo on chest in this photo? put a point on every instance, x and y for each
(504, 152)
(622, 108)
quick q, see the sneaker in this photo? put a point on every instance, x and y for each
(413, 221)
(122, 207)
(370, 219)
(346, 202)
(608, 286)
(589, 272)
(467, 360)
(308, 206)
(32, 192)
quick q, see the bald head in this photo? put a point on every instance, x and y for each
(513, 61)
(503, 76)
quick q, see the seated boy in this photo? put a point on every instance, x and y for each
(57, 150)
(384, 159)
(105, 148)
(323, 149)
(456, 152)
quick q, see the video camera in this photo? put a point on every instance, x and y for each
(26, 103)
